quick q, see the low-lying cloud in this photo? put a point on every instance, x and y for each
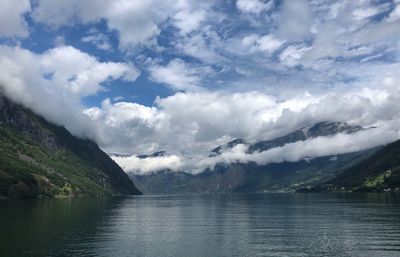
(54, 83)
(187, 125)
(147, 165)
(291, 152)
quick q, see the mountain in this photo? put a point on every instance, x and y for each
(156, 154)
(250, 177)
(324, 128)
(380, 172)
(220, 149)
(319, 129)
(239, 177)
(39, 159)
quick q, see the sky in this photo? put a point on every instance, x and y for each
(185, 76)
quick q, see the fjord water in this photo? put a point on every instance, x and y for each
(204, 225)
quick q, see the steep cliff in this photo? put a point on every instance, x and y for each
(39, 159)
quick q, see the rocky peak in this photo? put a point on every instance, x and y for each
(18, 118)
(218, 150)
(325, 128)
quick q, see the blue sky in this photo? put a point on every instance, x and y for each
(219, 57)
(185, 76)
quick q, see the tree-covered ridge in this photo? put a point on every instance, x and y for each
(38, 159)
(380, 172)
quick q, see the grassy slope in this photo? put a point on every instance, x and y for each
(44, 160)
(377, 173)
(250, 177)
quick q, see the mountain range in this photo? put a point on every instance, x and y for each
(39, 159)
(378, 173)
(250, 177)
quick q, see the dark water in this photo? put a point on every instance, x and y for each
(208, 225)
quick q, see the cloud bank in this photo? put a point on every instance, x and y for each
(53, 83)
(232, 69)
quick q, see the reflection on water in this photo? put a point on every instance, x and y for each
(204, 225)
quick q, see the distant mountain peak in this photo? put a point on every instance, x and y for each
(329, 128)
(40, 159)
(155, 154)
(323, 128)
(218, 150)
(319, 129)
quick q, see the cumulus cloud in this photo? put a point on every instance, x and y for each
(148, 165)
(134, 20)
(255, 76)
(332, 30)
(257, 43)
(178, 75)
(137, 22)
(100, 40)
(365, 13)
(291, 152)
(188, 125)
(12, 21)
(296, 19)
(395, 14)
(292, 54)
(189, 16)
(188, 21)
(205, 45)
(310, 148)
(253, 6)
(61, 76)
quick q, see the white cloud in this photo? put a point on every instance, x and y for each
(81, 73)
(395, 14)
(177, 74)
(253, 6)
(189, 125)
(121, 112)
(292, 54)
(100, 40)
(326, 43)
(148, 165)
(300, 46)
(310, 148)
(12, 21)
(257, 43)
(296, 19)
(53, 83)
(204, 45)
(291, 152)
(189, 16)
(188, 21)
(361, 14)
(137, 22)
(68, 12)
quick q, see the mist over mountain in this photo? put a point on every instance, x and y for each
(208, 84)
(378, 173)
(251, 127)
(39, 159)
(253, 177)
(320, 129)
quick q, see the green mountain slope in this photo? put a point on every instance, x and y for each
(240, 177)
(38, 159)
(380, 172)
(250, 177)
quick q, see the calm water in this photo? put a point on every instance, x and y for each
(207, 225)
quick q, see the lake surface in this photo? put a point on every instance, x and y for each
(204, 225)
